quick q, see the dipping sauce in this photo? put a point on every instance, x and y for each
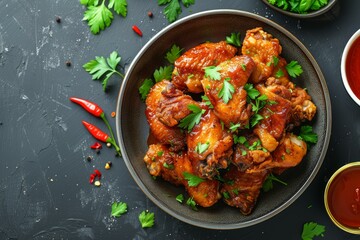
(352, 66)
(343, 197)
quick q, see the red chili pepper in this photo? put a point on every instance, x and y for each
(137, 30)
(96, 145)
(91, 107)
(97, 173)
(92, 178)
(96, 132)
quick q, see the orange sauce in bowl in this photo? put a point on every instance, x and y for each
(352, 67)
(344, 197)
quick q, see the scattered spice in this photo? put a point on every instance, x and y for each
(108, 145)
(137, 30)
(108, 165)
(96, 145)
(97, 173)
(150, 14)
(58, 19)
(92, 178)
(97, 151)
(97, 183)
(113, 114)
(68, 63)
(89, 158)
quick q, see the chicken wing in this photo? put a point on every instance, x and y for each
(262, 48)
(188, 71)
(172, 136)
(209, 145)
(161, 162)
(236, 72)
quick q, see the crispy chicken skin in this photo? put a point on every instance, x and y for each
(161, 162)
(262, 48)
(173, 105)
(188, 71)
(241, 189)
(236, 71)
(172, 136)
(217, 155)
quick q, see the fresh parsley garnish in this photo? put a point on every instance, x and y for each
(147, 219)
(226, 195)
(145, 87)
(252, 93)
(180, 198)
(193, 118)
(202, 147)
(173, 8)
(274, 61)
(234, 39)
(193, 180)
(279, 73)
(294, 69)
(255, 119)
(268, 184)
(233, 127)
(239, 139)
(118, 209)
(226, 91)
(101, 68)
(212, 72)
(100, 17)
(307, 134)
(163, 73)
(168, 166)
(207, 101)
(173, 54)
(303, 6)
(190, 202)
(312, 229)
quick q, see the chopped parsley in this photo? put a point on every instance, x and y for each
(173, 54)
(268, 184)
(168, 166)
(193, 118)
(201, 148)
(294, 69)
(234, 127)
(193, 180)
(191, 203)
(207, 101)
(173, 8)
(234, 39)
(312, 229)
(147, 219)
(180, 198)
(226, 91)
(307, 134)
(163, 73)
(212, 72)
(145, 87)
(118, 209)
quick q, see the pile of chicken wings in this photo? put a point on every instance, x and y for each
(231, 155)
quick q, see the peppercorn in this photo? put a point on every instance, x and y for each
(150, 14)
(107, 165)
(89, 158)
(113, 114)
(58, 19)
(97, 151)
(97, 183)
(108, 145)
(68, 63)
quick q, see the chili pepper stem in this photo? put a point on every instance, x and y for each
(112, 141)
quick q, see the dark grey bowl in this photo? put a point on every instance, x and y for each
(132, 128)
(314, 14)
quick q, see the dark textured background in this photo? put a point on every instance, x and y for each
(44, 189)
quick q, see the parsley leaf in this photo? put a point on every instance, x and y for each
(312, 229)
(180, 198)
(294, 69)
(201, 148)
(190, 202)
(120, 6)
(307, 134)
(163, 73)
(279, 73)
(193, 180)
(145, 87)
(207, 101)
(268, 184)
(146, 219)
(212, 72)
(234, 127)
(251, 91)
(98, 17)
(89, 2)
(118, 209)
(226, 91)
(234, 39)
(255, 119)
(101, 66)
(173, 54)
(239, 139)
(193, 118)
(187, 3)
(173, 8)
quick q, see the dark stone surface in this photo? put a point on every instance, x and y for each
(44, 189)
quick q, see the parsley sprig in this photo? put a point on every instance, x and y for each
(99, 16)
(147, 219)
(192, 179)
(103, 68)
(234, 39)
(202, 147)
(257, 101)
(173, 8)
(307, 134)
(294, 69)
(212, 72)
(193, 118)
(226, 91)
(173, 54)
(312, 229)
(118, 209)
(268, 184)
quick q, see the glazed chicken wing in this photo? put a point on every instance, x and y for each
(172, 136)
(241, 189)
(189, 71)
(161, 162)
(209, 145)
(262, 48)
(236, 73)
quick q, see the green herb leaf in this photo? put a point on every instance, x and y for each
(193, 118)
(239, 139)
(172, 10)
(279, 73)
(145, 87)
(190, 202)
(251, 91)
(312, 229)
(168, 166)
(212, 72)
(163, 73)
(226, 91)
(173, 54)
(294, 69)
(255, 119)
(101, 68)
(268, 184)
(98, 17)
(234, 39)
(207, 101)
(147, 219)
(226, 195)
(118, 209)
(187, 3)
(193, 180)
(201, 148)
(180, 198)
(307, 134)
(89, 2)
(120, 6)
(234, 127)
